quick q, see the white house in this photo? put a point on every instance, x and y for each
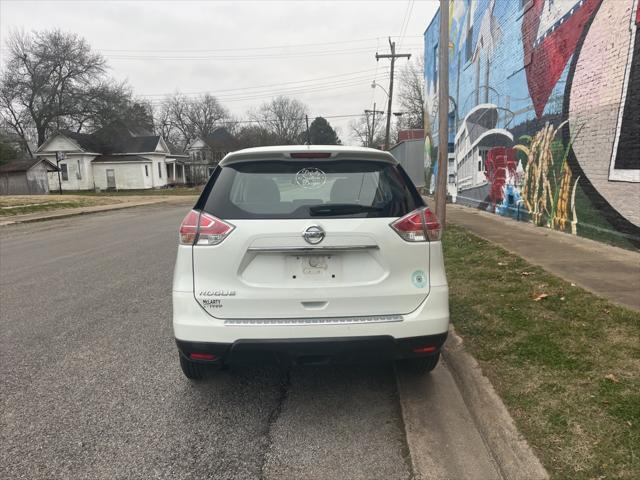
(117, 157)
(206, 152)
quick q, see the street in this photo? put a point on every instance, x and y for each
(91, 386)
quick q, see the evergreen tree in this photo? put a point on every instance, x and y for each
(322, 133)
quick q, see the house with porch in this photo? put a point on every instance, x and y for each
(206, 152)
(116, 157)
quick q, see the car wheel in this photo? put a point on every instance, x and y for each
(420, 365)
(192, 370)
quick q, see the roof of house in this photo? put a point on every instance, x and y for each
(25, 164)
(133, 144)
(221, 140)
(118, 137)
(119, 158)
(86, 141)
(175, 151)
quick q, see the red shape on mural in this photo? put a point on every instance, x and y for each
(501, 162)
(548, 46)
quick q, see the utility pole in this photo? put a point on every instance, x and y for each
(373, 122)
(443, 113)
(393, 57)
(306, 117)
(59, 156)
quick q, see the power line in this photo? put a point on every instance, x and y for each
(337, 42)
(406, 25)
(309, 80)
(237, 122)
(404, 21)
(291, 91)
(246, 57)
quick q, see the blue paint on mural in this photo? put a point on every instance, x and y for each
(512, 68)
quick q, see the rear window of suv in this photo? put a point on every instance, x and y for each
(309, 189)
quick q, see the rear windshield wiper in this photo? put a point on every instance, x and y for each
(341, 209)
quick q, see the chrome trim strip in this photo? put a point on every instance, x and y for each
(344, 248)
(257, 322)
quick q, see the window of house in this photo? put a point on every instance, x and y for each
(64, 171)
(160, 170)
(146, 170)
(79, 171)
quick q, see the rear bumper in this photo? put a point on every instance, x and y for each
(192, 324)
(315, 350)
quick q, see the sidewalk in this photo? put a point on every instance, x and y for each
(70, 212)
(610, 272)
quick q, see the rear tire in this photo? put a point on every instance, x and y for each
(192, 370)
(419, 365)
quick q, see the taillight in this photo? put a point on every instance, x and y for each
(200, 228)
(421, 225)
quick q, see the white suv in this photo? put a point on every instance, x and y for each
(309, 255)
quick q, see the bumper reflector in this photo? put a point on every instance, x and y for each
(202, 356)
(425, 349)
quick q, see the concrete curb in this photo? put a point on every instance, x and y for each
(55, 215)
(510, 450)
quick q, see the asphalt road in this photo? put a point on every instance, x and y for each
(91, 386)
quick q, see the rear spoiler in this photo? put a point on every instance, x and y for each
(363, 155)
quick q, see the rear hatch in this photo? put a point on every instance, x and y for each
(309, 238)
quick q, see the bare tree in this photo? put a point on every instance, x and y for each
(254, 135)
(283, 118)
(411, 94)
(205, 114)
(181, 119)
(369, 130)
(46, 77)
(106, 103)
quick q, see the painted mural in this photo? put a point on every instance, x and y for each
(544, 110)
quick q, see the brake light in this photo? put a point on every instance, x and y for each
(200, 228)
(310, 154)
(421, 225)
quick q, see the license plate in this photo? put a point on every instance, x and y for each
(313, 267)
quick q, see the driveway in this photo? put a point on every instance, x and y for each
(91, 386)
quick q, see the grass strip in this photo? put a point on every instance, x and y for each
(20, 205)
(565, 362)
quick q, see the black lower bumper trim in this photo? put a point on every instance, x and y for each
(316, 350)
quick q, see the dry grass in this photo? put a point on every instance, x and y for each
(23, 204)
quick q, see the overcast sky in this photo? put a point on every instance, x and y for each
(244, 52)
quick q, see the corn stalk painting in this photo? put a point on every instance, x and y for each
(548, 201)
